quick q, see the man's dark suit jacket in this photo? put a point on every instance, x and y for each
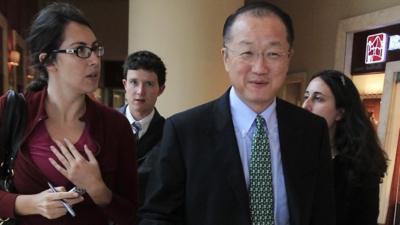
(147, 150)
(198, 178)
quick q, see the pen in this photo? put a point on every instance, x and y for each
(66, 205)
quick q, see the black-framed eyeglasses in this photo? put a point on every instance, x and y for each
(83, 51)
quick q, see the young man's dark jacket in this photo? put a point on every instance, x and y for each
(147, 150)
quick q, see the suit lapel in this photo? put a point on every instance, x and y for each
(290, 139)
(151, 137)
(227, 147)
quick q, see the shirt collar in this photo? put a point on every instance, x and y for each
(244, 116)
(145, 122)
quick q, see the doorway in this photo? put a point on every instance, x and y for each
(388, 125)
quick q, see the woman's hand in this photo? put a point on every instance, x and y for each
(74, 166)
(84, 173)
(46, 203)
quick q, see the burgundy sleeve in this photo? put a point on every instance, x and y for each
(7, 203)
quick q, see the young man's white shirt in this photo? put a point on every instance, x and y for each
(145, 122)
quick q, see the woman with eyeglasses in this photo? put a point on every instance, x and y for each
(82, 148)
(359, 161)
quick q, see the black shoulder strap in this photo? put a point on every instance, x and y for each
(12, 127)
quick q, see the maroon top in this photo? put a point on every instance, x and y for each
(38, 144)
(115, 153)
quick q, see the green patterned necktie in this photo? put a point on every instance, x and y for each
(261, 192)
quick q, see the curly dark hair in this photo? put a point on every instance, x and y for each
(355, 137)
(47, 34)
(145, 60)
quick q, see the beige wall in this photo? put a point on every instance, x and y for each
(316, 23)
(186, 34)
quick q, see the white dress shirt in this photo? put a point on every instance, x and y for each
(243, 121)
(145, 122)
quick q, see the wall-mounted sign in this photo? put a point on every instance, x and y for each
(375, 51)
(372, 49)
(394, 42)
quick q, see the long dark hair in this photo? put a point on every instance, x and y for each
(47, 34)
(355, 138)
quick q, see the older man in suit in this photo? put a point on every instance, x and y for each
(144, 80)
(247, 157)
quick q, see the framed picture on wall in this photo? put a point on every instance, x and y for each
(294, 87)
(3, 54)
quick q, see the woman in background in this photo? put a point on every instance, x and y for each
(359, 161)
(70, 140)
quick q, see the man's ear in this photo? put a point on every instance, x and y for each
(224, 54)
(124, 82)
(162, 88)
